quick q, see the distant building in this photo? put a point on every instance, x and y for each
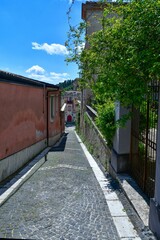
(71, 98)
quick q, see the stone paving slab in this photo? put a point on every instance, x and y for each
(63, 200)
(10, 186)
(121, 221)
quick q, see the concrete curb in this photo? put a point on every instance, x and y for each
(118, 214)
(136, 199)
(133, 193)
(15, 183)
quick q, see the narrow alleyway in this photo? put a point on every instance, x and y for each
(63, 200)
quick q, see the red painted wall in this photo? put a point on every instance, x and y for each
(22, 117)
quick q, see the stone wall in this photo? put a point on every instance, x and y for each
(95, 142)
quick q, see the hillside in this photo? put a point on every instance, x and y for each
(67, 85)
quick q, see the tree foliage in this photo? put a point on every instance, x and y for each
(66, 85)
(75, 40)
(123, 57)
(105, 120)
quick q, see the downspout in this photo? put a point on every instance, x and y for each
(46, 104)
(47, 119)
(44, 97)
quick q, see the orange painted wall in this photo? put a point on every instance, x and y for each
(22, 117)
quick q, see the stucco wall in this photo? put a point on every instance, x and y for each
(22, 121)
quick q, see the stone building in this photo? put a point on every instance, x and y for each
(71, 99)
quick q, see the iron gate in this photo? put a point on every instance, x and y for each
(144, 140)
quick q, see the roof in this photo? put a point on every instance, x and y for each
(18, 79)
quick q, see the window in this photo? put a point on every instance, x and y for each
(51, 108)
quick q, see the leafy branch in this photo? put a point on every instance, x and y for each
(123, 57)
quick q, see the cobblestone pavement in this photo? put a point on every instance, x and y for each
(62, 200)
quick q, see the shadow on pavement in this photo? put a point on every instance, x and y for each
(70, 124)
(60, 146)
(131, 182)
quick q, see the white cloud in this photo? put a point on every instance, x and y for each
(44, 76)
(80, 48)
(59, 75)
(36, 69)
(52, 49)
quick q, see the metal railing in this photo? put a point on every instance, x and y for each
(144, 141)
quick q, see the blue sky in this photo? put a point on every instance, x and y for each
(33, 33)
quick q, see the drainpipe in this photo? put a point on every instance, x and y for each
(44, 97)
(45, 101)
(47, 119)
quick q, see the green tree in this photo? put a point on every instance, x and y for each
(123, 57)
